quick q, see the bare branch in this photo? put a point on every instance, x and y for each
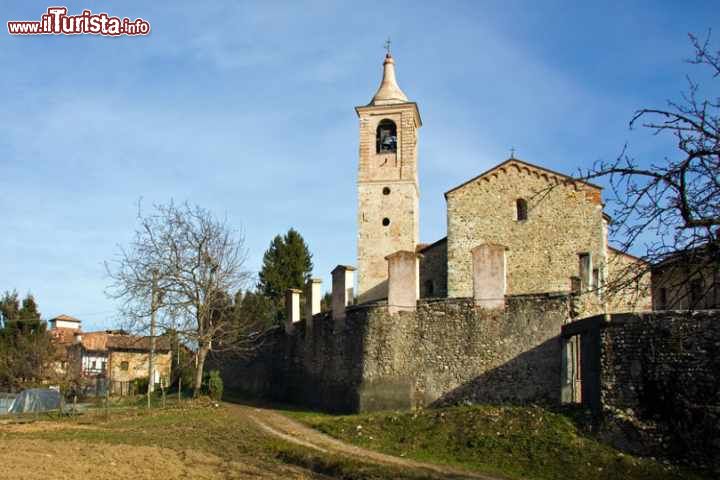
(198, 262)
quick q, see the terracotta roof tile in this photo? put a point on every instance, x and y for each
(132, 342)
(104, 341)
(66, 318)
(94, 341)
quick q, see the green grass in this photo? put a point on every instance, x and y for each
(513, 442)
(509, 442)
(199, 425)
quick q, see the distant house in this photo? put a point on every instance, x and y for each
(111, 356)
(62, 330)
(64, 322)
(687, 279)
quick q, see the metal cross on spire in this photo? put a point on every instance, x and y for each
(387, 45)
(512, 152)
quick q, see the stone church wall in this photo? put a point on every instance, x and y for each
(433, 270)
(542, 250)
(447, 352)
(628, 294)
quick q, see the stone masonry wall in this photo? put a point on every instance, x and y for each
(542, 250)
(137, 365)
(447, 352)
(654, 381)
(627, 295)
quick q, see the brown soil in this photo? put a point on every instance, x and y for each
(32, 427)
(23, 459)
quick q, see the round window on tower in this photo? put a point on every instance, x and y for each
(386, 191)
(386, 222)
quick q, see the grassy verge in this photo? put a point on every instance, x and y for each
(199, 426)
(513, 442)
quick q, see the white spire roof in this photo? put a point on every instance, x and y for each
(389, 91)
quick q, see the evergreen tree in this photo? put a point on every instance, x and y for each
(326, 302)
(25, 346)
(287, 263)
(256, 307)
(29, 311)
(272, 281)
(15, 316)
(9, 308)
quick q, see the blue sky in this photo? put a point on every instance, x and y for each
(246, 108)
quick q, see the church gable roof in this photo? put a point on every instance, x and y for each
(522, 164)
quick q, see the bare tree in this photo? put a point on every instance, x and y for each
(670, 208)
(193, 261)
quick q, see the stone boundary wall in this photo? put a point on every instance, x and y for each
(448, 351)
(653, 381)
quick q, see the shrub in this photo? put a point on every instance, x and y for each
(141, 385)
(215, 385)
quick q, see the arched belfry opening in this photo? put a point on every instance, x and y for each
(386, 137)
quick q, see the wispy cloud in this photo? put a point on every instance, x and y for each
(247, 109)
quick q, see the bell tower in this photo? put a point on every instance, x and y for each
(387, 182)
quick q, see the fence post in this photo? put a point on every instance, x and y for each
(343, 282)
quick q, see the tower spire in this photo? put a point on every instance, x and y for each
(389, 92)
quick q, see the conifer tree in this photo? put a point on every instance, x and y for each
(287, 263)
(25, 348)
(255, 305)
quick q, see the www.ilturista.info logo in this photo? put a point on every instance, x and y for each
(57, 22)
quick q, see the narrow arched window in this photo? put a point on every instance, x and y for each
(386, 137)
(521, 209)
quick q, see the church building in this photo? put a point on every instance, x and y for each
(476, 316)
(551, 226)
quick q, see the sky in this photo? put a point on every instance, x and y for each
(247, 109)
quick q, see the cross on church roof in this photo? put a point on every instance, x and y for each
(387, 45)
(512, 152)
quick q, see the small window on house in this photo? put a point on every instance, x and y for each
(386, 222)
(386, 191)
(124, 366)
(521, 209)
(93, 365)
(386, 137)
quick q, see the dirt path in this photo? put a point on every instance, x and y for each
(278, 425)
